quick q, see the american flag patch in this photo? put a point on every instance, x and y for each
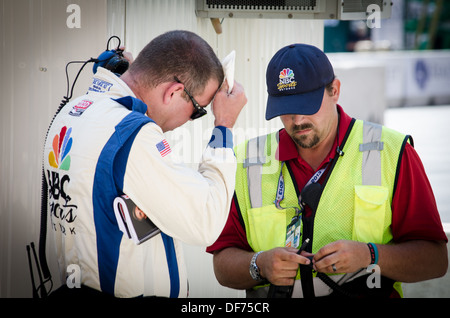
(163, 148)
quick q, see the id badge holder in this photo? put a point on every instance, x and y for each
(293, 231)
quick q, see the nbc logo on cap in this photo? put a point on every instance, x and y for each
(287, 80)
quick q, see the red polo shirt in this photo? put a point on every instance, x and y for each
(414, 210)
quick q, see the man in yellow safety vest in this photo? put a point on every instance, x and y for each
(357, 190)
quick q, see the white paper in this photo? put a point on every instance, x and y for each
(228, 69)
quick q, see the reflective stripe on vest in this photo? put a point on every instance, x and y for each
(253, 163)
(372, 145)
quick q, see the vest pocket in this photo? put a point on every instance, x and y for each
(370, 212)
(266, 228)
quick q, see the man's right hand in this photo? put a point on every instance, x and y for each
(280, 265)
(226, 107)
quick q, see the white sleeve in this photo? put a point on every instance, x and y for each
(186, 204)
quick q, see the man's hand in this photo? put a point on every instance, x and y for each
(409, 261)
(280, 265)
(226, 107)
(346, 256)
(127, 55)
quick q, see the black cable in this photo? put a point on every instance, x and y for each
(286, 291)
(109, 40)
(68, 97)
(35, 294)
(335, 286)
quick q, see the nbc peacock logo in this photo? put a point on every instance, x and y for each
(286, 73)
(62, 143)
(287, 80)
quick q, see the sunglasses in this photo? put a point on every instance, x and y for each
(198, 110)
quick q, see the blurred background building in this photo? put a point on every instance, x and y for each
(414, 25)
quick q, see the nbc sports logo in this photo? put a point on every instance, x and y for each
(287, 80)
(62, 143)
(286, 74)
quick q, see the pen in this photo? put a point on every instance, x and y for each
(305, 243)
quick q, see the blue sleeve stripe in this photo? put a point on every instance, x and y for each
(172, 264)
(222, 137)
(108, 184)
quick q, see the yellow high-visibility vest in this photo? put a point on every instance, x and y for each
(356, 200)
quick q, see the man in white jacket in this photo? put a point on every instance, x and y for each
(111, 142)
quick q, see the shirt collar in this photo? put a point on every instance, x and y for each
(287, 149)
(107, 83)
(132, 103)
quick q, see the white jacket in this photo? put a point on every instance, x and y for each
(97, 148)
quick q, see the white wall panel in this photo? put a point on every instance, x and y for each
(35, 45)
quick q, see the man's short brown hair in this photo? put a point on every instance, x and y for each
(178, 53)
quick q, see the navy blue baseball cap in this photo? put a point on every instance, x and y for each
(296, 78)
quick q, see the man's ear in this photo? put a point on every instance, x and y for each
(336, 89)
(172, 90)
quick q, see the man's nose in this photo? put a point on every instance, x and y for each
(297, 119)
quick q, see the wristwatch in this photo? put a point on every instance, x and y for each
(254, 269)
